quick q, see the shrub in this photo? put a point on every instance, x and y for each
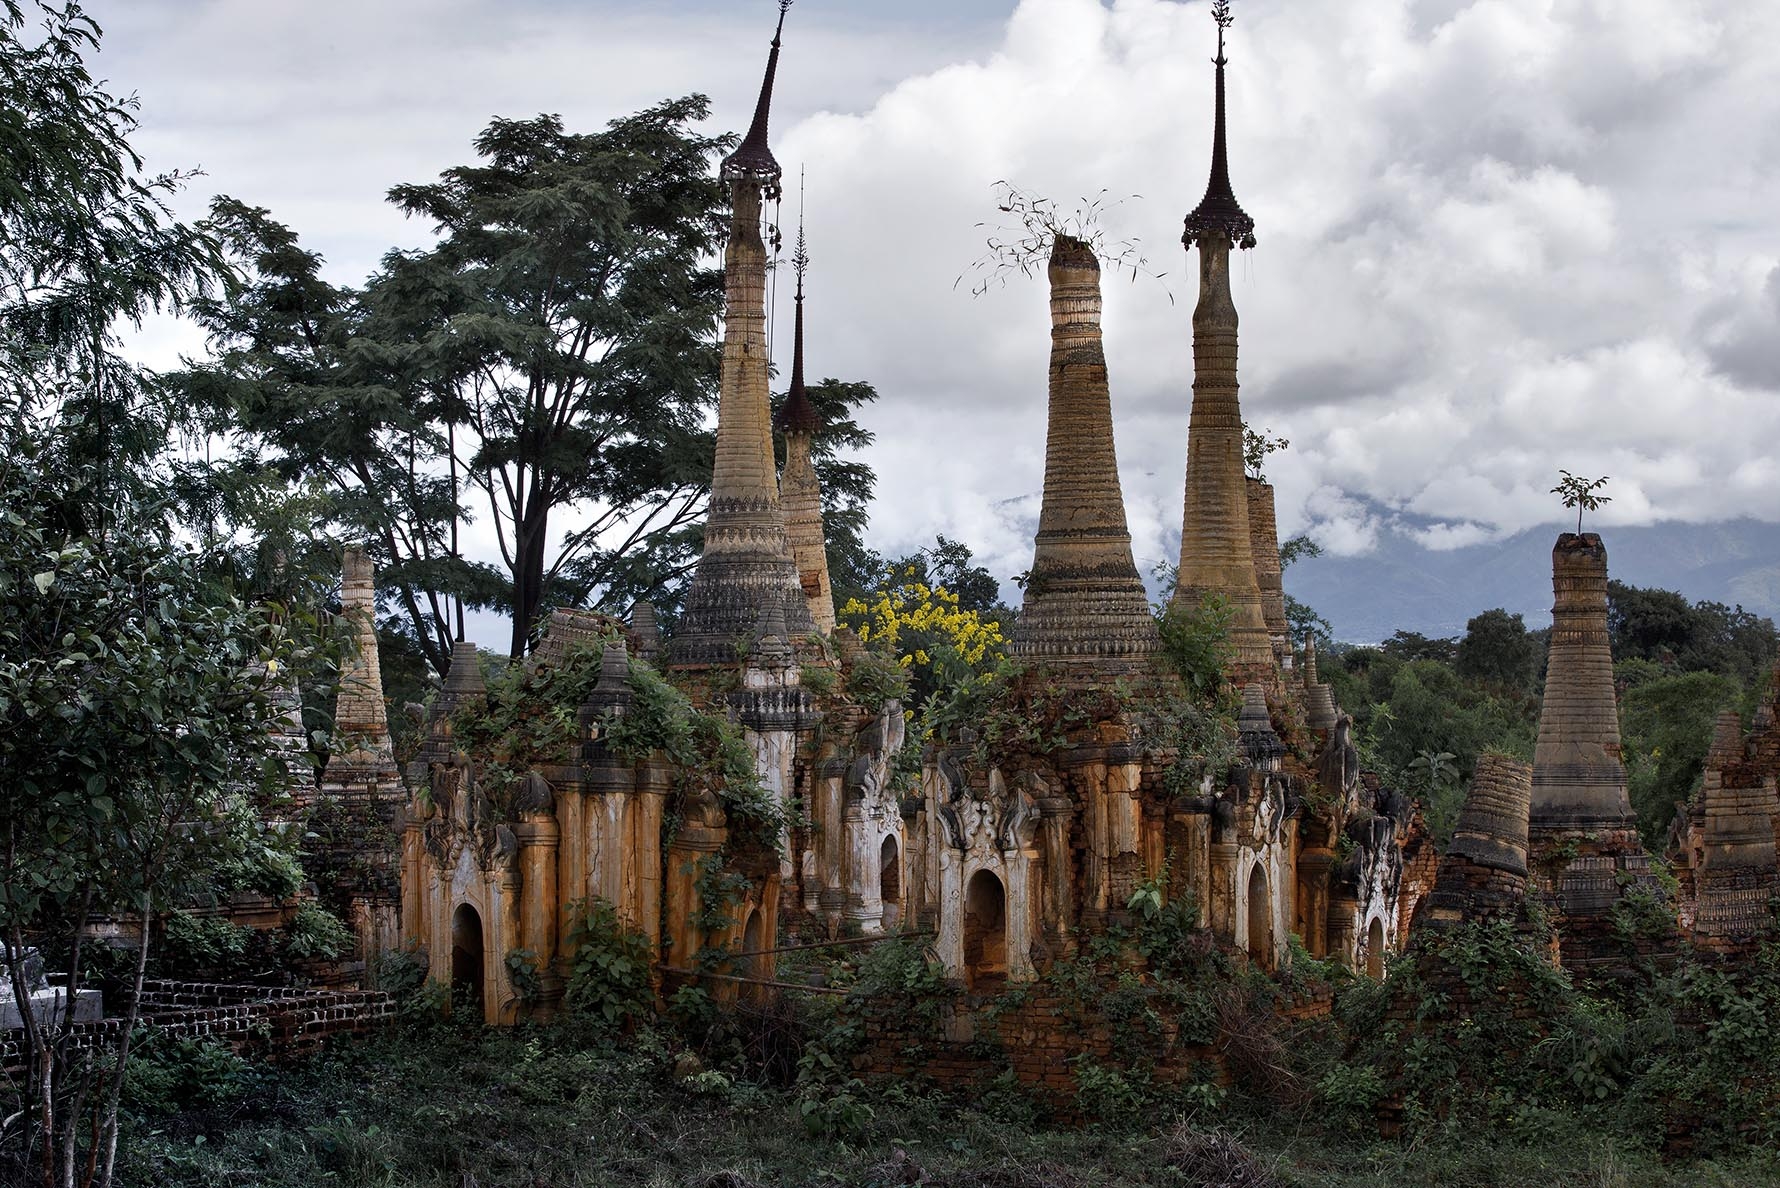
(609, 969)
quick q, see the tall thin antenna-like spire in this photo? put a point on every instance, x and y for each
(798, 415)
(1219, 212)
(753, 159)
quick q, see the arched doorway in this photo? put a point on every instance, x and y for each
(1375, 949)
(752, 967)
(890, 883)
(985, 930)
(1260, 919)
(466, 954)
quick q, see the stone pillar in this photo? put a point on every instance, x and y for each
(1059, 893)
(500, 1001)
(1085, 608)
(700, 836)
(831, 853)
(653, 786)
(538, 835)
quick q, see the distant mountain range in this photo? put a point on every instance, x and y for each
(1402, 585)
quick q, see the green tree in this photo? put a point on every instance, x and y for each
(1256, 447)
(948, 564)
(134, 714)
(551, 360)
(1661, 626)
(1498, 650)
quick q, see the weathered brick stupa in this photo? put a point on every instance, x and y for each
(1483, 874)
(1263, 530)
(360, 798)
(747, 569)
(800, 492)
(1216, 555)
(1085, 608)
(1584, 836)
(1726, 865)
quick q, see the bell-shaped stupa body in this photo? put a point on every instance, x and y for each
(1085, 607)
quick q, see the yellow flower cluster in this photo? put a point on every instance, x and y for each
(909, 617)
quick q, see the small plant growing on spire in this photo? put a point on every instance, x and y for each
(1579, 493)
(1256, 447)
(1023, 243)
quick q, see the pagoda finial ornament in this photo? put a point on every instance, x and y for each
(753, 159)
(798, 414)
(1218, 213)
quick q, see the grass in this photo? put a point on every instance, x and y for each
(559, 1106)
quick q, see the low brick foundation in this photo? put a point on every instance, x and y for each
(278, 1023)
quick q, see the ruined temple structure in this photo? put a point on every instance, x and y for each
(1007, 857)
(1722, 843)
(1017, 856)
(499, 867)
(1583, 836)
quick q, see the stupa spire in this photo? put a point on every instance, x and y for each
(1085, 606)
(753, 158)
(1219, 212)
(800, 489)
(746, 569)
(1217, 555)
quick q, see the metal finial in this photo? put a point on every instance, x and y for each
(785, 6)
(1218, 213)
(800, 259)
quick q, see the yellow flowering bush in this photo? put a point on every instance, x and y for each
(922, 625)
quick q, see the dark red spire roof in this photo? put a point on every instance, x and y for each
(1218, 213)
(753, 159)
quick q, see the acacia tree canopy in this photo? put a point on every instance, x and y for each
(554, 353)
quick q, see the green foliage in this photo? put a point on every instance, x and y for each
(203, 942)
(1665, 729)
(1664, 629)
(831, 1100)
(608, 966)
(314, 933)
(1579, 493)
(1256, 447)
(168, 1075)
(1350, 1094)
(522, 971)
(1497, 649)
(1196, 641)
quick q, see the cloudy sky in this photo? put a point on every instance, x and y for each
(1496, 237)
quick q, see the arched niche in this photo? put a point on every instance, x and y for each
(1260, 918)
(890, 883)
(467, 971)
(1375, 949)
(985, 931)
(753, 966)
